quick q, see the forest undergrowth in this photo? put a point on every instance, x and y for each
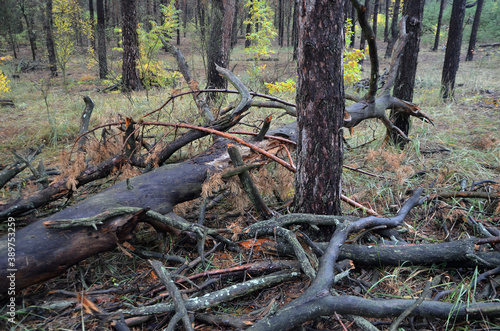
(460, 153)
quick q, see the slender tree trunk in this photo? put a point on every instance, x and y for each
(473, 33)
(220, 42)
(201, 20)
(405, 76)
(295, 29)
(130, 75)
(92, 23)
(13, 42)
(101, 40)
(320, 107)
(394, 29)
(376, 7)
(49, 39)
(362, 40)
(178, 31)
(234, 35)
(439, 23)
(281, 23)
(248, 42)
(353, 26)
(386, 28)
(288, 19)
(28, 18)
(185, 17)
(452, 55)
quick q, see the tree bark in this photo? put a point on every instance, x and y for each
(49, 39)
(219, 44)
(386, 27)
(439, 23)
(452, 55)
(248, 42)
(320, 107)
(405, 77)
(281, 23)
(92, 23)
(295, 29)
(394, 29)
(473, 33)
(43, 253)
(28, 18)
(130, 75)
(362, 40)
(101, 40)
(376, 7)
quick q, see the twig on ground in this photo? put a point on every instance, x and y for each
(180, 308)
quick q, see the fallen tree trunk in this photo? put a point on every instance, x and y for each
(460, 253)
(42, 253)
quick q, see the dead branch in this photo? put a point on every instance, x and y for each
(317, 301)
(250, 268)
(180, 307)
(201, 102)
(15, 168)
(248, 184)
(215, 298)
(465, 194)
(85, 119)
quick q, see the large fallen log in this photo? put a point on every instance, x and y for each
(40, 253)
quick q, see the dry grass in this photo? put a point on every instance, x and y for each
(463, 146)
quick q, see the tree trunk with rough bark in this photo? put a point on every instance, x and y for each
(452, 55)
(394, 29)
(405, 77)
(49, 39)
(320, 107)
(101, 40)
(130, 75)
(376, 7)
(219, 43)
(473, 33)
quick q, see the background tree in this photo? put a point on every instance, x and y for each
(65, 14)
(439, 23)
(92, 21)
(386, 26)
(473, 33)
(49, 40)
(362, 39)
(394, 29)
(320, 107)
(101, 40)
(452, 55)
(219, 43)
(10, 23)
(376, 7)
(405, 77)
(27, 10)
(130, 75)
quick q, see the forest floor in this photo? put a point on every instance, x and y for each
(462, 149)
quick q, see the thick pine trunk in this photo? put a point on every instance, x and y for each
(320, 107)
(130, 75)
